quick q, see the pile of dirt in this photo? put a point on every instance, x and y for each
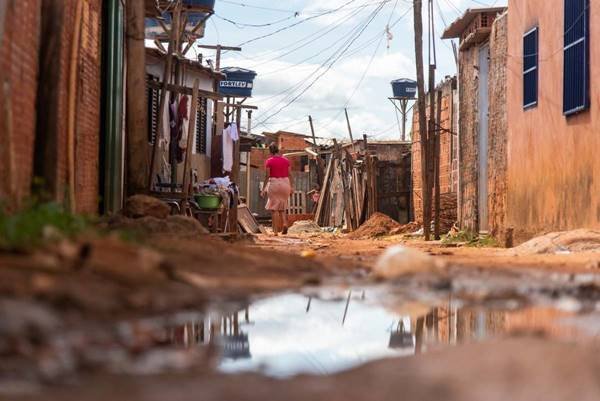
(377, 226)
(304, 227)
(576, 241)
(407, 228)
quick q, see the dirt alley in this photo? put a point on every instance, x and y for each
(103, 279)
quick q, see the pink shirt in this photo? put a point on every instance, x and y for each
(279, 166)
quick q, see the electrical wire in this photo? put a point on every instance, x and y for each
(326, 69)
(242, 25)
(368, 66)
(288, 92)
(296, 24)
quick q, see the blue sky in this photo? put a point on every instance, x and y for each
(288, 62)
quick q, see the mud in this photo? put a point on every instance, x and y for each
(174, 318)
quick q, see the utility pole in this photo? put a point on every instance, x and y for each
(433, 158)
(312, 131)
(421, 107)
(349, 128)
(137, 113)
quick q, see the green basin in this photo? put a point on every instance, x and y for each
(208, 201)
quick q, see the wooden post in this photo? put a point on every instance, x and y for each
(190, 140)
(312, 131)
(349, 128)
(235, 177)
(319, 162)
(403, 105)
(436, 160)
(248, 162)
(166, 78)
(137, 128)
(423, 132)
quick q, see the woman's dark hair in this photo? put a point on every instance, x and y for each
(273, 149)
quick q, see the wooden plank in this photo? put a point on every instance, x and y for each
(184, 90)
(324, 193)
(190, 139)
(247, 221)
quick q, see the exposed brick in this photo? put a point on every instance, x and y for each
(18, 86)
(497, 144)
(448, 142)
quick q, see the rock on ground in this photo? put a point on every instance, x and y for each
(149, 225)
(304, 227)
(137, 206)
(575, 241)
(398, 260)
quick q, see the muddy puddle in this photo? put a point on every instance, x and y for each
(334, 330)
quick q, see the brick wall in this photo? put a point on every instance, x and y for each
(468, 139)
(497, 150)
(87, 131)
(19, 59)
(18, 86)
(447, 152)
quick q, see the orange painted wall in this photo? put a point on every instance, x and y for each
(553, 161)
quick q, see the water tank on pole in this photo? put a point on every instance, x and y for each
(196, 11)
(404, 88)
(239, 82)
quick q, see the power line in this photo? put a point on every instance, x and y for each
(242, 24)
(328, 67)
(343, 48)
(368, 65)
(296, 24)
(327, 30)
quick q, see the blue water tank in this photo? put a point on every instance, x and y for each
(405, 88)
(239, 82)
(207, 4)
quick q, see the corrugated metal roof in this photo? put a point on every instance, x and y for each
(457, 27)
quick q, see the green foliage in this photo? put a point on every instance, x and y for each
(470, 239)
(38, 223)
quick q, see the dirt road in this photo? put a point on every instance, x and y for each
(103, 319)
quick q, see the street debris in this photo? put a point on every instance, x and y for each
(304, 227)
(563, 242)
(398, 260)
(377, 226)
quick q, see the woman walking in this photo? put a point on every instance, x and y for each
(278, 188)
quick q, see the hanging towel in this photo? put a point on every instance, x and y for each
(227, 150)
(230, 135)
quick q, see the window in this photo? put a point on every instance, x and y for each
(576, 57)
(153, 102)
(201, 121)
(530, 68)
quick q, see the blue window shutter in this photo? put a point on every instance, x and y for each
(530, 68)
(576, 57)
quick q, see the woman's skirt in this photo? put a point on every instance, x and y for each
(278, 192)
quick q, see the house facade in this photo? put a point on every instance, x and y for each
(482, 118)
(204, 117)
(554, 116)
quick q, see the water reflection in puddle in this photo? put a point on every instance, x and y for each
(292, 333)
